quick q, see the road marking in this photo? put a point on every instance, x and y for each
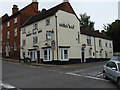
(90, 77)
(99, 75)
(6, 86)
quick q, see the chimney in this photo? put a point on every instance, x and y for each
(65, 0)
(35, 5)
(43, 10)
(15, 9)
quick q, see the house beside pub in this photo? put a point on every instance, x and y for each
(11, 26)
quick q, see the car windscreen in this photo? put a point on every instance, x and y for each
(119, 66)
(116, 58)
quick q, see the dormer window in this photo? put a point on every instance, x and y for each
(47, 21)
(8, 24)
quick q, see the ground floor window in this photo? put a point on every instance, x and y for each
(64, 54)
(47, 55)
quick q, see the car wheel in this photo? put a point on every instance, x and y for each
(104, 75)
(118, 83)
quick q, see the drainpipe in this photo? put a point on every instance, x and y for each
(56, 36)
(95, 48)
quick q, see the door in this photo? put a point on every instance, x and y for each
(83, 55)
(38, 56)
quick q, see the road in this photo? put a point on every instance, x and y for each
(65, 76)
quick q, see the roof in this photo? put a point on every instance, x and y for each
(50, 12)
(15, 14)
(94, 33)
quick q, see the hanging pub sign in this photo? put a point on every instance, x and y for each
(66, 25)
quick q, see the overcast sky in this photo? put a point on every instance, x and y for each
(101, 11)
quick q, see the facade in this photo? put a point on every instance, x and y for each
(55, 35)
(11, 29)
(0, 37)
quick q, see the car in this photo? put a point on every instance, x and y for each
(116, 57)
(111, 71)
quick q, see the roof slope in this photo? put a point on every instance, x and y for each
(94, 33)
(65, 6)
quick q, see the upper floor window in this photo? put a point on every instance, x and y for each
(24, 30)
(1, 27)
(0, 37)
(15, 20)
(48, 35)
(100, 43)
(106, 44)
(8, 24)
(15, 46)
(110, 45)
(35, 26)
(35, 40)
(47, 21)
(15, 32)
(23, 42)
(88, 40)
(8, 34)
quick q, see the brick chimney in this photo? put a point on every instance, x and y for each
(65, 0)
(35, 5)
(15, 9)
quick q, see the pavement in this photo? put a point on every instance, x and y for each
(83, 75)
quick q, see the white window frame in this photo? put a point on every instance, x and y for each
(15, 46)
(23, 42)
(35, 40)
(8, 34)
(48, 35)
(15, 20)
(23, 30)
(100, 43)
(8, 23)
(48, 56)
(89, 42)
(62, 56)
(15, 32)
(35, 26)
(48, 21)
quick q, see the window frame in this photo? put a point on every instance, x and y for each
(48, 21)
(62, 54)
(15, 32)
(15, 20)
(89, 41)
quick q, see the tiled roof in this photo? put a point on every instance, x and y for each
(94, 33)
(49, 12)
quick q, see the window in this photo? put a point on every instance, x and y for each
(1, 27)
(111, 65)
(106, 44)
(100, 43)
(90, 52)
(8, 34)
(64, 54)
(47, 22)
(15, 32)
(0, 37)
(15, 20)
(35, 26)
(35, 40)
(88, 40)
(110, 45)
(78, 37)
(0, 49)
(8, 24)
(23, 42)
(24, 30)
(15, 46)
(101, 52)
(47, 55)
(48, 35)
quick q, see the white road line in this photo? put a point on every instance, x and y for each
(99, 75)
(86, 76)
(7, 86)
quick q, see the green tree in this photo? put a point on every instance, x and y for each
(86, 22)
(113, 31)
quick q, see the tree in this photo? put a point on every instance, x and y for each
(113, 31)
(86, 22)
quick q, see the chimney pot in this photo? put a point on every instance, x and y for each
(15, 9)
(65, 0)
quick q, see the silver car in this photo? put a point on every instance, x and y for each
(112, 70)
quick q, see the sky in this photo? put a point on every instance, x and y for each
(101, 11)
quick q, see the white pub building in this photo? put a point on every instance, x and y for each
(54, 35)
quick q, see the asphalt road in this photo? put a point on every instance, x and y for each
(66, 76)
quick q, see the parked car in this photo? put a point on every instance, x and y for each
(116, 57)
(112, 70)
